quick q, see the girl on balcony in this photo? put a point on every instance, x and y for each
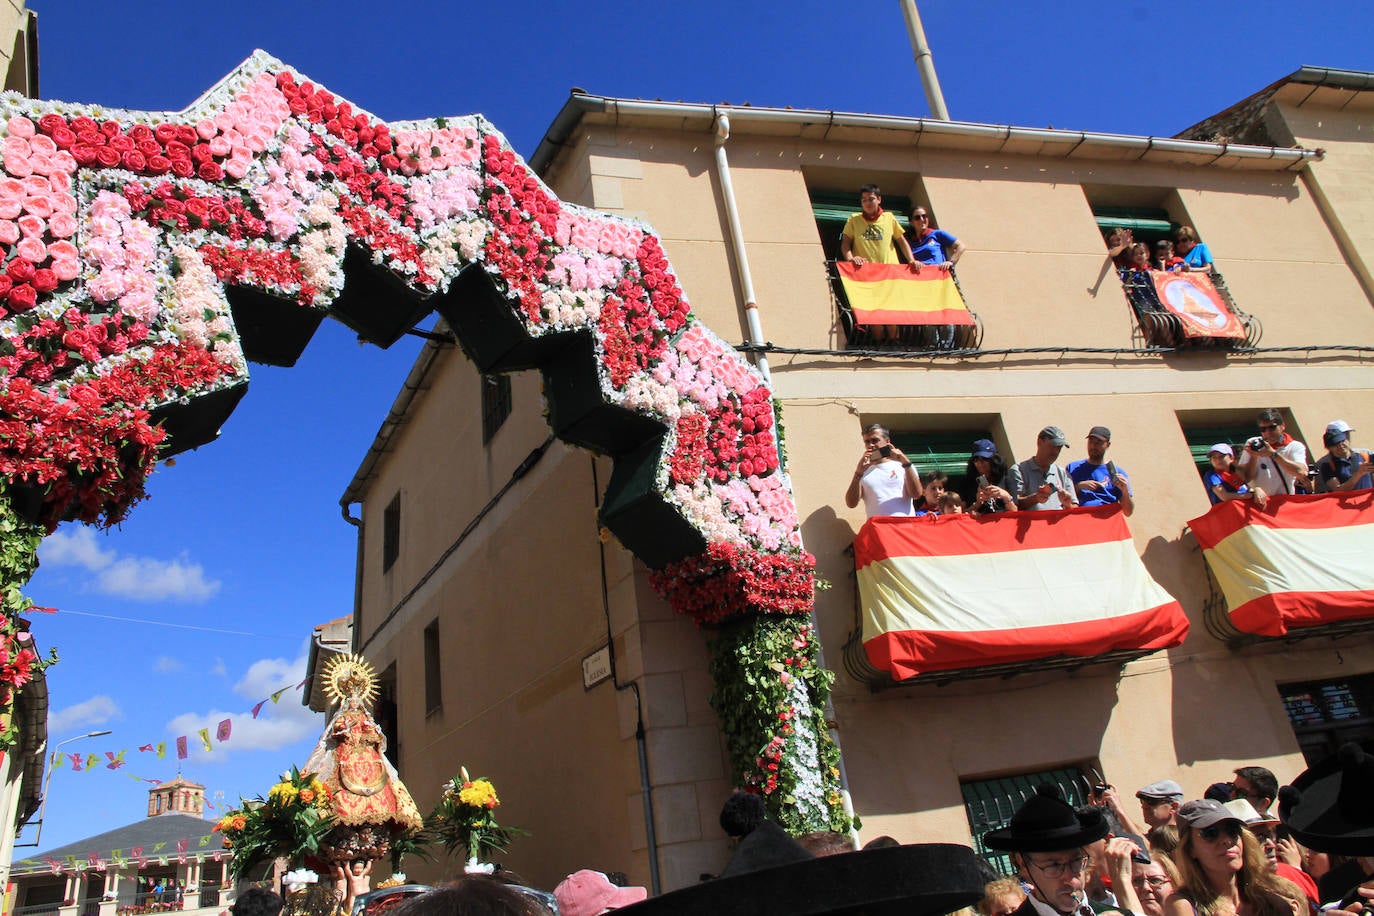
(985, 490)
(1222, 481)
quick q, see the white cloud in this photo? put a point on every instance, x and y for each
(165, 664)
(97, 710)
(219, 669)
(278, 725)
(140, 578)
(74, 546)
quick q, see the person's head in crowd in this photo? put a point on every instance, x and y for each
(1001, 897)
(1294, 895)
(1159, 801)
(1219, 859)
(1140, 256)
(1340, 426)
(1048, 444)
(951, 504)
(1164, 252)
(1098, 440)
(1256, 785)
(1162, 840)
(588, 893)
(477, 895)
(932, 488)
(871, 200)
(1049, 841)
(1338, 444)
(257, 901)
(1260, 825)
(985, 460)
(1185, 239)
(826, 843)
(1223, 459)
(882, 842)
(1154, 881)
(1219, 791)
(1272, 427)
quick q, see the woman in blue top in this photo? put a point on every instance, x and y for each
(1196, 256)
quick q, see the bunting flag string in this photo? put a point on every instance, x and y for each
(115, 760)
(99, 861)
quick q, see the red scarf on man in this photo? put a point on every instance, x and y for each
(873, 219)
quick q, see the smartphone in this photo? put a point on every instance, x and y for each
(1111, 471)
(885, 450)
(982, 481)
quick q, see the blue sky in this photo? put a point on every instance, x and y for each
(202, 603)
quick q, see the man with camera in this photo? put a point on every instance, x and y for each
(1274, 461)
(884, 479)
(1040, 483)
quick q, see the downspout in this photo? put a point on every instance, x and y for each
(751, 311)
(925, 61)
(746, 279)
(357, 579)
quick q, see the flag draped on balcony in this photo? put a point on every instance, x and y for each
(940, 593)
(1301, 561)
(891, 294)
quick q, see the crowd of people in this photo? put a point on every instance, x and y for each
(1272, 462)
(1184, 253)
(1226, 853)
(887, 483)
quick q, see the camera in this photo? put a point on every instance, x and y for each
(1256, 444)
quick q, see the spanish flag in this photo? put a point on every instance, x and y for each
(1301, 561)
(892, 294)
(944, 592)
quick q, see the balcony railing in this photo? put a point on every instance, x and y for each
(39, 909)
(1162, 328)
(915, 338)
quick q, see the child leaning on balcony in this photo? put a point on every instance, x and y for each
(1223, 483)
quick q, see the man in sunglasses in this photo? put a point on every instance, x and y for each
(1049, 841)
(1274, 461)
(1257, 785)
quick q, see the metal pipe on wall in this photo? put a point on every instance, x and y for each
(746, 279)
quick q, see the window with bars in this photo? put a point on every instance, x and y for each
(990, 803)
(496, 404)
(1327, 714)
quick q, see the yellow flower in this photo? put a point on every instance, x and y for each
(479, 794)
(283, 793)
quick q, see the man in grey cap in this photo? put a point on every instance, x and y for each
(1097, 481)
(1039, 483)
(1159, 802)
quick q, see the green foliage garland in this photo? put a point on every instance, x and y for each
(19, 662)
(771, 696)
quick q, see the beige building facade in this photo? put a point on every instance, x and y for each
(485, 589)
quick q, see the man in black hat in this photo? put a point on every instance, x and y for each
(1330, 808)
(1049, 841)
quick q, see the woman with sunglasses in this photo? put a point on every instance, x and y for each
(1223, 869)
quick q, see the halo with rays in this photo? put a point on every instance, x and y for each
(350, 675)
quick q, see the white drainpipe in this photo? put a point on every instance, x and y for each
(746, 279)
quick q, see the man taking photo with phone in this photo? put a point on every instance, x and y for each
(884, 479)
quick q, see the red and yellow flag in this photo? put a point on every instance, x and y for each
(892, 294)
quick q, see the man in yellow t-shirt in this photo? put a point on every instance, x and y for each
(873, 234)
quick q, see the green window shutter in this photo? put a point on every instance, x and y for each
(944, 450)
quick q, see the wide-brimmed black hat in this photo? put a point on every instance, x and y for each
(922, 880)
(1330, 806)
(1047, 823)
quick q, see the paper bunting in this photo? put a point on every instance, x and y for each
(116, 759)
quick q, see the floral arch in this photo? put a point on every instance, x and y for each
(148, 257)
